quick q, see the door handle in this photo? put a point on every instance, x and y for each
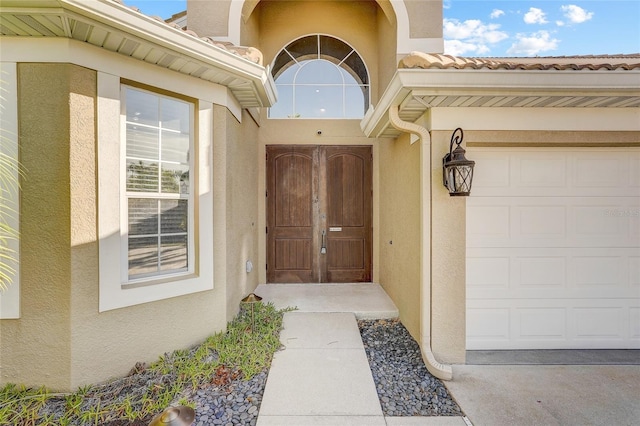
(323, 247)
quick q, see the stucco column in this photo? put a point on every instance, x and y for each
(448, 260)
(435, 367)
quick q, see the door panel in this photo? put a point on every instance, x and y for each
(291, 191)
(348, 206)
(316, 190)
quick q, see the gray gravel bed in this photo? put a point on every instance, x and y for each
(235, 404)
(405, 387)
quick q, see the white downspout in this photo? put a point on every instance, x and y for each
(441, 371)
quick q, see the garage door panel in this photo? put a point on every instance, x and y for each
(553, 221)
(633, 263)
(553, 249)
(516, 273)
(634, 323)
(488, 327)
(540, 221)
(553, 324)
(604, 171)
(598, 323)
(555, 172)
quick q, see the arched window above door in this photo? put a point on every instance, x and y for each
(318, 76)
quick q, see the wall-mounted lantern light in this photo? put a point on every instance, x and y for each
(457, 171)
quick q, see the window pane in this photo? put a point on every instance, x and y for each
(333, 47)
(319, 101)
(174, 254)
(142, 176)
(175, 147)
(175, 178)
(356, 65)
(143, 216)
(143, 256)
(158, 145)
(288, 76)
(174, 115)
(354, 102)
(284, 107)
(174, 216)
(305, 47)
(142, 107)
(319, 72)
(142, 142)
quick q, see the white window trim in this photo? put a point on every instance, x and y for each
(113, 292)
(10, 298)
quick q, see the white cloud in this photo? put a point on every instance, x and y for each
(496, 13)
(461, 48)
(560, 23)
(576, 14)
(535, 16)
(532, 44)
(471, 36)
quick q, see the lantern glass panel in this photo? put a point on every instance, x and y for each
(459, 179)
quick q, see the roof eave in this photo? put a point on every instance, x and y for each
(410, 89)
(253, 80)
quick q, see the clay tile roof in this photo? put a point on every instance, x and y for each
(592, 62)
(250, 53)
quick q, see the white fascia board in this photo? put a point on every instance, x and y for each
(538, 82)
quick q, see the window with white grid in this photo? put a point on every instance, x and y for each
(157, 191)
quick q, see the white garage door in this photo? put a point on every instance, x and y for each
(553, 249)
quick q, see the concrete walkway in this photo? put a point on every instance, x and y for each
(322, 377)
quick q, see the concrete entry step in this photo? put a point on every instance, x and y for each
(365, 300)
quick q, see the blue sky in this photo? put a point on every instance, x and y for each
(516, 27)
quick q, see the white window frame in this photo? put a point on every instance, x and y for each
(124, 215)
(115, 291)
(10, 298)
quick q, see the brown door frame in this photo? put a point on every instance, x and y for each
(297, 249)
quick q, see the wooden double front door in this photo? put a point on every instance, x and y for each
(319, 214)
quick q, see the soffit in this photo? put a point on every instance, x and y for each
(112, 26)
(425, 81)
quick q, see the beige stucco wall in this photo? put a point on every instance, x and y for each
(448, 261)
(425, 18)
(387, 35)
(550, 138)
(283, 22)
(420, 19)
(236, 159)
(208, 18)
(271, 25)
(37, 347)
(399, 203)
(61, 340)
